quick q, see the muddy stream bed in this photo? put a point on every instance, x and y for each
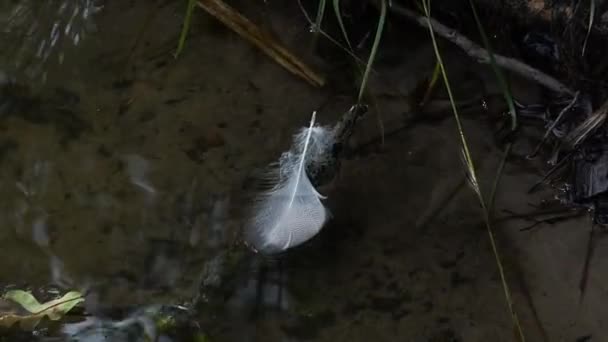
(127, 174)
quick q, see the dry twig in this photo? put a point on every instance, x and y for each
(587, 127)
(554, 124)
(261, 39)
(481, 54)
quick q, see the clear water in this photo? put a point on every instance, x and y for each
(125, 173)
(36, 31)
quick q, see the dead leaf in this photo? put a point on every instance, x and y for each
(34, 311)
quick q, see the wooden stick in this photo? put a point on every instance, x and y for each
(481, 55)
(249, 31)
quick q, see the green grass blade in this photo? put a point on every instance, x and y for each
(506, 91)
(472, 173)
(185, 28)
(328, 37)
(499, 172)
(499, 75)
(467, 154)
(316, 26)
(431, 85)
(319, 19)
(341, 23)
(372, 55)
(359, 63)
(591, 17)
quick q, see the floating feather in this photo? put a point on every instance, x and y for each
(291, 212)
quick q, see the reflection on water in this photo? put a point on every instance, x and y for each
(138, 327)
(137, 168)
(35, 30)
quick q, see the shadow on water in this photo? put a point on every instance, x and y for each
(125, 173)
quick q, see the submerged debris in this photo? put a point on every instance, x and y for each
(587, 179)
(579, 156)
(324, 165)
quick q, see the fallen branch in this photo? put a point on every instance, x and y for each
(481, 54)
(249, 31)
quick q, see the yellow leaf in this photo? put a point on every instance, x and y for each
(54, 309)
(9, 319)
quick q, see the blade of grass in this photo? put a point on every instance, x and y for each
(316, 27)
(499, 172)
(348, 51)
(499, 75)
(185, 28)
(431, 86)
(338, 14)
(369, 64)
(359, 63)
(320, 14)
(506, 91)
(554, 124)
(372, 55)
(472, 173)
(591, 17)
(327, 36)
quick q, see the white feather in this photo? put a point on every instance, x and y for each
(291, 212)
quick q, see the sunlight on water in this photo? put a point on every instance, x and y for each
(36, 30)
(138, 169)
(138, 327)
